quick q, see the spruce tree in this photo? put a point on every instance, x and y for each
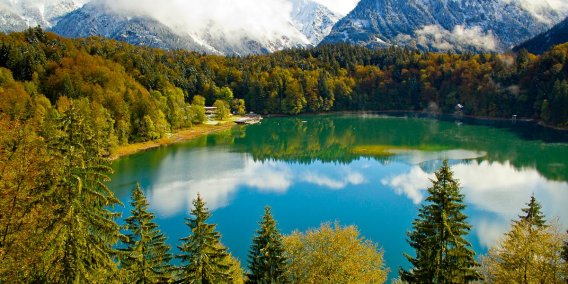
(204, 258)
(267, 262)
(533, 213)
(443, 255)
(145, 259)
(80, 240)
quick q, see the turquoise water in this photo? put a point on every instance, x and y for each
(365, 170)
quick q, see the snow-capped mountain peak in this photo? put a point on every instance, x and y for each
(19, 14)
(313, 19)
(213, 26)
(439, 25)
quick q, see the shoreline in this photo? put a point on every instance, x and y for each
(205, 129)
(437, 115)
(174, 137)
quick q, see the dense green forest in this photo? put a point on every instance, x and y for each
(145, 93)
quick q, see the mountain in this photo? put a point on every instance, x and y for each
(313, 20)
(96, 19)
(544, 41)
(17, 15)
(308, 23)
(438, 25)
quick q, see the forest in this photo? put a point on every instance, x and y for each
(66, 104)
(145, 93)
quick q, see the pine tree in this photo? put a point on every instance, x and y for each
(266, 256)
(443, 255)
(146, 255)
(204, 258)
(533, 213)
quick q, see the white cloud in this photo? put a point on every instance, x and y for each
(540, 8)
(460, 37)
(234, 21)
(342, 7)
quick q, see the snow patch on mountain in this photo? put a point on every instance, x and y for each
(437, 25)
(213, 26)
(313, 20)
(16, 15)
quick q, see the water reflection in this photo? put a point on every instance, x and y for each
(495, 191)
(216, 175)
(323, 180)
(371, 172)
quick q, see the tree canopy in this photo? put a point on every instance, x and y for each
(333, 254)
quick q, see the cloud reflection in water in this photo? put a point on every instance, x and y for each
(217, 175)
(497, 190)
(350, 178)
(494, 191)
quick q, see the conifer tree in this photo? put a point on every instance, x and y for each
(204, 258)
(533, 213)
(443, 255)
(267, 262)
(146, 256)
(83, 233)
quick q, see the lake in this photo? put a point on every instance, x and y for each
(367, 170)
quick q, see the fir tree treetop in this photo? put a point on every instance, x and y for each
(533, 213)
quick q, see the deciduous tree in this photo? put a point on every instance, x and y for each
(223, 109)
(333, 254)
(531, 252)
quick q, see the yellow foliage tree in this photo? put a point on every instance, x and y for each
(527, 254)
(333, 254)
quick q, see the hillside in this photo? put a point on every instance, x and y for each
(543, 42)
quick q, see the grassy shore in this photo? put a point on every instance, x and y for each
(178, 136)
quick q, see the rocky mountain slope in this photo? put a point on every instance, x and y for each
(313, 20)
(309, 22)
(17, 15)
(478, 25)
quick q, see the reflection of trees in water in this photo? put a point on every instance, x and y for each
(303, 140)
(333, 138)
(330, 138)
